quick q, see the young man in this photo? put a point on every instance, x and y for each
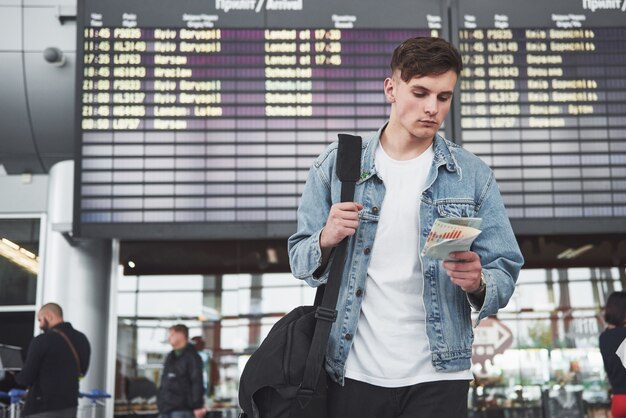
(181, 394)
(402, 342)
(55, 361)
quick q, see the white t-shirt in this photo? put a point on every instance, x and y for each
(391, 348)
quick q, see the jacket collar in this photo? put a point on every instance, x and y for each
(63, 326)
(442, 149)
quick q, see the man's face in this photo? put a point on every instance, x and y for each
(176, 339)
(420, 105)
(44, 324)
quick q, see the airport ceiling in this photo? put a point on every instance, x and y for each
(36, 97)
(270, 256)
(37, 130)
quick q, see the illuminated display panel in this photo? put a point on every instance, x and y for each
(543, 102)
(202, 120)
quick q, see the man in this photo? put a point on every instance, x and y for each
(181, 394)
(55, 362)
(402, 341)
(200, 345)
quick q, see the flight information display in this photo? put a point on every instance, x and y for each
(543, 102)
(201, 119)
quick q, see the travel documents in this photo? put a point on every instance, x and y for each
(449, 235)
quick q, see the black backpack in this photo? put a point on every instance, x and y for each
(285, 377)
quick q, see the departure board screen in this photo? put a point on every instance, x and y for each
(543, 102)
(201, 119)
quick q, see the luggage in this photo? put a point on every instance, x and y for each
(285, 377)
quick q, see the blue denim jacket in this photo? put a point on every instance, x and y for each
(459, 184)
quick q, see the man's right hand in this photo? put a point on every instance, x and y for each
(342, 222)
(200, 412)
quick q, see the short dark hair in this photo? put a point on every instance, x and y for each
(181, 328)
(55, 308)
(422, 56)
(615, 310)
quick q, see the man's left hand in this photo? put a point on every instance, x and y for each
(465, 270)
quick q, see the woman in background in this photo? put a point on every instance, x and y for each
(610, 340)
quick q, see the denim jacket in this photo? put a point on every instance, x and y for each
(459, 184)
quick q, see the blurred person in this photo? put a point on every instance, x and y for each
(200, 346)
(401, 343)
(181, 394)
(55, 362)
(610, 340)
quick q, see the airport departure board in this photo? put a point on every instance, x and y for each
(201, 119)
(543, 102)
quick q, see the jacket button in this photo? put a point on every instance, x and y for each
(348, 337)
(367, 251)
(358, 292)
(374, 210)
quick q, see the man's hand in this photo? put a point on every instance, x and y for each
(199, 413)
(465, 270)
(343, 220)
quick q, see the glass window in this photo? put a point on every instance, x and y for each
(170, 304)
(548, 332)
(19, 261)
(555, 319)
(231, 313)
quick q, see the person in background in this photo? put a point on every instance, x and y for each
(181, 394)
(200, 346)
(55, 362)
(610, 341)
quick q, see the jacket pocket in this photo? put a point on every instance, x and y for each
(456, 208)
(367, 216)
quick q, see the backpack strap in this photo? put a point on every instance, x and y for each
(348, 167)
(72, 349)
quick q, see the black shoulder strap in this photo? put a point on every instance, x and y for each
(348, 167)
(72, 349)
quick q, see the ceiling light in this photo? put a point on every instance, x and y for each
(571, 253)
(28, 253)
(20, 256)
(11, 244)
(272, 256)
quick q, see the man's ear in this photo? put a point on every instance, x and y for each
(390, 89)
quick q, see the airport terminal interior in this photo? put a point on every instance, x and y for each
(153, 155)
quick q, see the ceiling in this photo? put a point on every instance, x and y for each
(37, 130)
(269, 256)
(204, 257)
(37, 98)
